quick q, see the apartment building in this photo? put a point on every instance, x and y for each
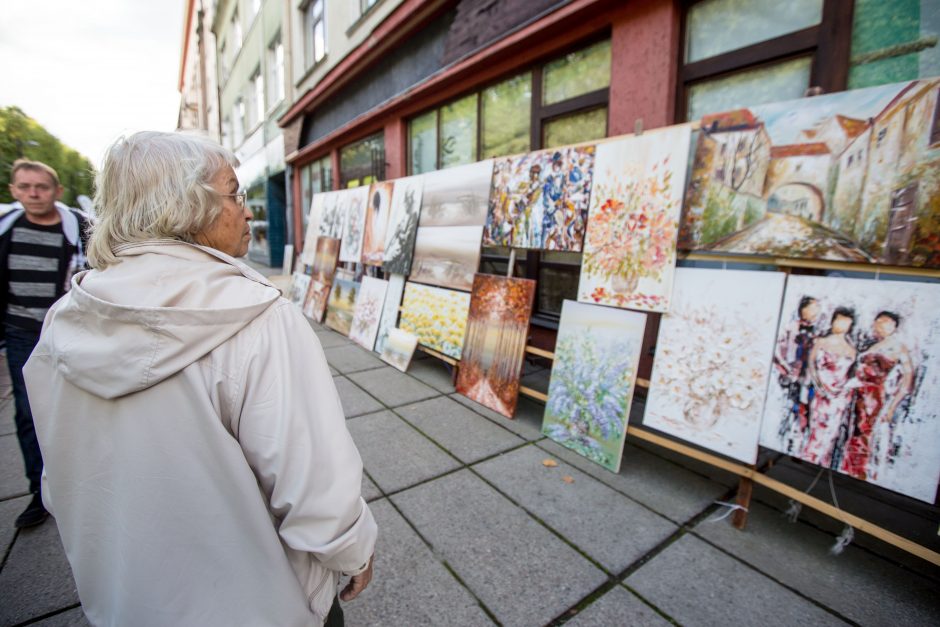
(198, 84)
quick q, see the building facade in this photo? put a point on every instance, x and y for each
(198, 84)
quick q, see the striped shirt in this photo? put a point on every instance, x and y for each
(33, 270)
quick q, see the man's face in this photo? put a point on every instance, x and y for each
(37, 192)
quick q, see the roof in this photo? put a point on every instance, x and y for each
(852, 126)
(729, 120)
(799, 150)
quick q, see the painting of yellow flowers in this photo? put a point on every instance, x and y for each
(438, 317)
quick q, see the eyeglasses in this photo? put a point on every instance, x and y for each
(239, 198)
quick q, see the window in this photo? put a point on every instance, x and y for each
(223, 62)
(315, 38)
(255, 7)
(238, 127)
(458, 132)
(423, 143)
(275, 71)
(365, 5)
(505, 117)
(236, 32)
(362, 162)
(255, 98)
(227, 132)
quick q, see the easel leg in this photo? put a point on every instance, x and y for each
(739, 517)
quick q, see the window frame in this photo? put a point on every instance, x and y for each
(310, 40)
(276, 82)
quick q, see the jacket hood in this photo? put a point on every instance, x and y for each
(166, 305)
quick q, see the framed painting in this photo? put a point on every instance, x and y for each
(399, 349)
(325, 259)
(494, 346)
(333, 214)
(355, 201)
(368, 312)
(456, 196)
(713, 359)
(403, 225)
(298, 288)
(318, 293)
(376, 224)
(630, 245)
(447, 256)
(591, 387)
(856, 384)
(313, 230)
(341, 305)
(389, 319)
(437, 317)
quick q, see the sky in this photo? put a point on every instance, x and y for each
(94, 70)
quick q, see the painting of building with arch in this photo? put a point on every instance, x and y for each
(851, 176)
(378, 208)
(856, 381)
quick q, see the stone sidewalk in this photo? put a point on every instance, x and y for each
(475, 530)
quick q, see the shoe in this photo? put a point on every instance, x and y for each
(33, 515)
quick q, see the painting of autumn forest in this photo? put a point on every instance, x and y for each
(497, 330)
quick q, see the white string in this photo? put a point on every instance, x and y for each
(730, 509)
(793, 511)
(848, 533)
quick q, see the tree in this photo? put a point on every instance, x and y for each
(22, 136)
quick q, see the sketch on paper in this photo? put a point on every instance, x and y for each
(497, 331)
(438, 317)
(333, 214)
(313, 230)
(366, 315)
(399, 348)
(403, 225)
(377, 215)
(856, 386)
(713, 359)
(540, 199)
(341, 305)
(591, 387)
(355, 202)
(447, 256)
(456, 196)
(630, 245)
(389, 319)
(298, 288)
(850, 176)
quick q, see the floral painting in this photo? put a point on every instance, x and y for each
(333, 214)
(713, 359)
(856, 385)
(355, 201)
(438, 317)
(630, 245)
(389, 319)
(399, 348)
(377, 215)
(540, 199)
(497, 331)
(403, 225)
(368, 311)
(341, 305)
(313, 230)
(591, 387)
(298, 288)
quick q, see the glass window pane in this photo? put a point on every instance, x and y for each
(783, 81)
(718, 26)
(459, 132)
(507, 111)
(363, 161)
(577, 73)
(422, 142)
(575, 128)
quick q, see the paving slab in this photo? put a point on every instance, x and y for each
(434, 372)
(392, 387)
(7, 411)
(522, 572)
(466, 434)
(610, 528)
(36, 578)
(527, 422)
(859, 585)
(696, 584)
(332, 339)
(9, 510)
(370, 491)
(346, 359)
(355, 401)
(665, 487)
(13, 480)
(537, 379)
(410, 586)
(74, 617)
(394, 454)
(618, 607)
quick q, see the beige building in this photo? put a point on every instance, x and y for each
(198, 87)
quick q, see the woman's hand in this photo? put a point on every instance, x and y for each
(357, 583)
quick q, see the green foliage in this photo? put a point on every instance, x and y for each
(719, 217)
(752, 213)
(22, 136)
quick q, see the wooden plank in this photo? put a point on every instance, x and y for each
(433, 353)
(533, 393)
(539, 352)
(743, 498)
(813, 264)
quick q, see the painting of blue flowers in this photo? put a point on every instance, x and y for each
(591, 388)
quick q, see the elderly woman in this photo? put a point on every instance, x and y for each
(197, 460)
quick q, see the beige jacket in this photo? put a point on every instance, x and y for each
(197, 459)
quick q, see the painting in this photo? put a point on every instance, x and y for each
(313, 230)
(591, 387)
(403, 225)
(457, 196)
(447, 256)
(332, 215)
(389, 319)
(399, 349)
(713, 359)
(341, 304)
(324, 267)
(494, 346)
(378, 210)
(630, 245)
(540, 199)
(355, 201)
(856, 385)
(850, 176)
(368, 311)
(298, 288)
(437, 317)
(314, 304)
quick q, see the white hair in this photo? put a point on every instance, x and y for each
(155, 186)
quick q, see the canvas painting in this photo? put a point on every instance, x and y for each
(497, 331)
(399, 349)
(456, 196)
(368, 311)
(850, 176)
(313, 230)
(298, 288)
(591, 387)
(540, 199)
(856, 385)
(341, 305)
(314, 304)
(447, 256)
(389, 319)
(355, 201)
(377, 215)
(403, 225)
(713, 359)
(438, 317)
(630, 245)
(333, 214)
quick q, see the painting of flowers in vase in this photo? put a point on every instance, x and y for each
(591, 388)
(630, 245)
(713, 358)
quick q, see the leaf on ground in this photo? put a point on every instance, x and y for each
(568, 479)
(549, 463)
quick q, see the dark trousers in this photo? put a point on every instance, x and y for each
(335, 617)
(20, 345)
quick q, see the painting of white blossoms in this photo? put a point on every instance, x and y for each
(713, 357)
(355, 201)
(591, 388)
(368, 311)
